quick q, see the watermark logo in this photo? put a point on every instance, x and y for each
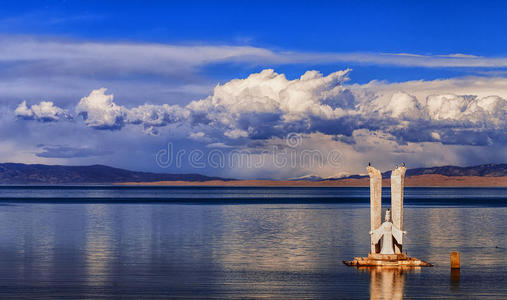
(293, 140)
(290, 155)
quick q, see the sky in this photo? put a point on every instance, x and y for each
(253, 89)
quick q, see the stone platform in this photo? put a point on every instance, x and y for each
(392, 260)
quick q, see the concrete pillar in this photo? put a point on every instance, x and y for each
(375, 203)
(397, 186)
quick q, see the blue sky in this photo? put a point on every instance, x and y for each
(424, 27)
(437, 27)
(425, 77)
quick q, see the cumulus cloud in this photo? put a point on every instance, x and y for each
(45, 111)
(99, 111)
(23, 111)
(151, 116)
(267, 104)
(261, 106)
(399, 105)
(466, 111)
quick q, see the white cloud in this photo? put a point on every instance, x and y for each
(218, 145)
(435, 135)
(399, 105)
(466, 100)
(23, 111)
(446, 106)
(199, 136)
(267, 104)
(70, 57)
(479, 86)
(45, 111)
(236, 133)
(156, 115)
(395, 59)
(99, 111)
(99, 58)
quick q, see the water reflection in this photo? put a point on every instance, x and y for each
(387, 282)
(455, 278)
(99, 247)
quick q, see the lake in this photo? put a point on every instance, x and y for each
(212, 242)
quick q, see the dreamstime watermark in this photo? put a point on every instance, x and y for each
(290, 155)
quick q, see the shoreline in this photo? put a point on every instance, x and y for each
(430, 180)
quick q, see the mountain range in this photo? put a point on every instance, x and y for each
(491, 170)
(16, 173)
(487, 170)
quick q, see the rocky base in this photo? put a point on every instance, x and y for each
(392, 260)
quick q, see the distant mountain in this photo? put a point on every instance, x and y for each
(307, 178)
(491, 170)
(13, 173)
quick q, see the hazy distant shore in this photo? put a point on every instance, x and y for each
(430, 180)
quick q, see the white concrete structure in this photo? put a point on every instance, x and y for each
(386, 239)
(397, 186)
(375, 203)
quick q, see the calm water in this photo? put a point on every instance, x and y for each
(89, 243)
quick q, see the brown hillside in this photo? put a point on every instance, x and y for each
(419, 180)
